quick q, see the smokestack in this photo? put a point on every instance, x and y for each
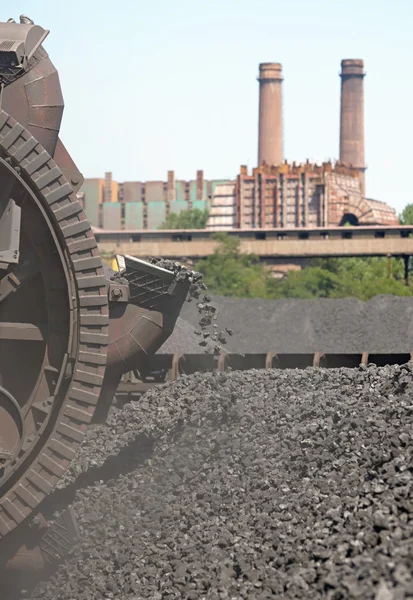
(270, 135)
(352, 116)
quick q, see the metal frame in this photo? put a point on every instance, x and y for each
(165, 367)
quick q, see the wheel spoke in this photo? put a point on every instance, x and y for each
(13, 281)
(22, 331)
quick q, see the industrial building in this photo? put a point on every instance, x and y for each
(288, 196)
(276, 194)
(143, 205)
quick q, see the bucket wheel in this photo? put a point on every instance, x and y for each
(54, 321)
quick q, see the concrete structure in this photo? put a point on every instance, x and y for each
(352, 117)
(270, 135)
(288, 196)
(268, 244)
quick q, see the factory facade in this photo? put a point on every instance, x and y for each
(291, 196)
(276, 193)
(143, 205)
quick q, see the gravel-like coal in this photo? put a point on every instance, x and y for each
(384, 324)
(261, 484)
(183, 339)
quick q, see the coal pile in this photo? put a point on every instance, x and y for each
(183, 339)
(262, 484)
(384, 324)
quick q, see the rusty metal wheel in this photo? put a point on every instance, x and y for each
(53, 328)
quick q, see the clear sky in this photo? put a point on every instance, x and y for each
(171, 84)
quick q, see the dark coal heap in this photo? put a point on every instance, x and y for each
(384, 324)
(261, 484)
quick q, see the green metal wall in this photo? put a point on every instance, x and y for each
(180, 191)
(200, 204)
(192, 191)
(111, 215)
(133, 215)
(133, 194)
(178, 206)
(156, 214)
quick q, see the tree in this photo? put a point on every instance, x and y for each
(406, 218)
(186, 219)
(228, 272)
(312, 282)
(361, 278)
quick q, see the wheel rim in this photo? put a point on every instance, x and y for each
(63, 303)
(32, 357)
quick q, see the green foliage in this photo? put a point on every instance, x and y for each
(186, 219)
(361, 278)
(406, 218)
(228, 272)
(312, 282)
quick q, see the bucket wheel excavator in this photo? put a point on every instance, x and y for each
(67, 332)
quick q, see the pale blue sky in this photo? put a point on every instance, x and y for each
(157, 85)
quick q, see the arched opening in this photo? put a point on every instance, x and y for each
(348, 219)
